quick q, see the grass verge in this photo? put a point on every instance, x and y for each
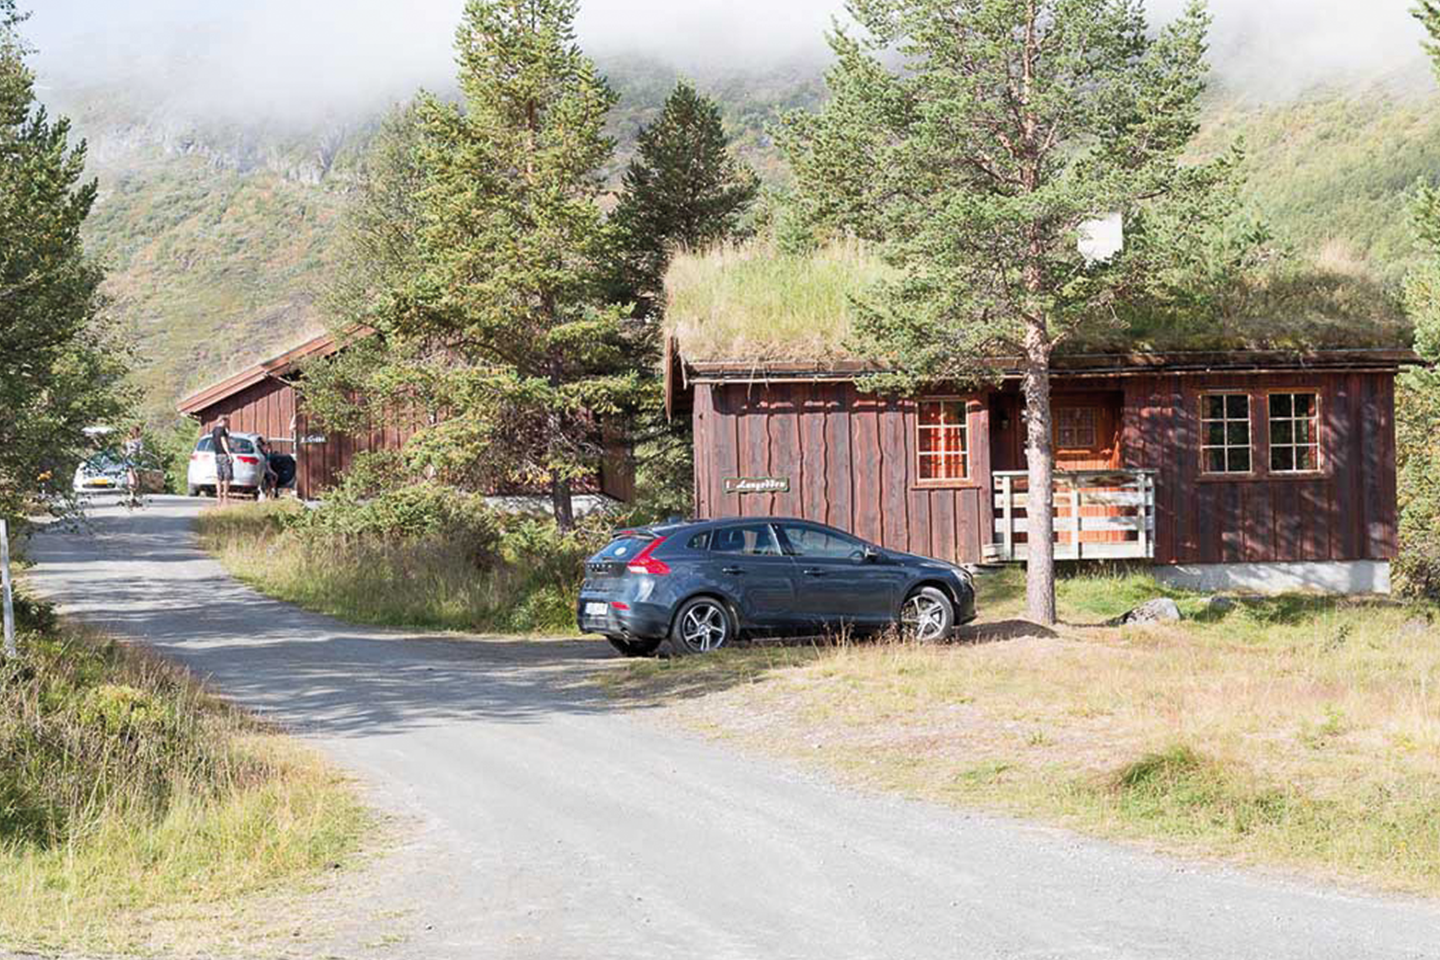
(137, 812)
(430, 581)
(1302, 732)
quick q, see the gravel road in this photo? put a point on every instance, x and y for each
(548, 823)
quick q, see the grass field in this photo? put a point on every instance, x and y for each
(1300, 732)
(138, 814)
(429, 582)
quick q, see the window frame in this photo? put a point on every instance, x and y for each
(1321, 467)
(967, 406)
(1201, 420)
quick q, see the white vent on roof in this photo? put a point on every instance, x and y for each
(1102, 238)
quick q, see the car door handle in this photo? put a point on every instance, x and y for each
(732, 570)
(814, 572)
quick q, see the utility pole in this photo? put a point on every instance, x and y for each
(5, 588)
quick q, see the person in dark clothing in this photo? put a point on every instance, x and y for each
(268, 482)
(224, 465)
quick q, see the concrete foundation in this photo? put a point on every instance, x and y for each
(1345, 577)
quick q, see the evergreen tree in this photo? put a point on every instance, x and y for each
(1004, 127)
(684, 189)
(500, 321)
(59, 366)
(1418, 413)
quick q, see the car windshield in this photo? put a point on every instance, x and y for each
(101, 463)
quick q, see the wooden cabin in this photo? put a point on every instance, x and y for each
(267, 398)
(1243, 470)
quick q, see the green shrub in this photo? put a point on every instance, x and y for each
(1417, 569)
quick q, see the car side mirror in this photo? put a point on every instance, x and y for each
(871, 555)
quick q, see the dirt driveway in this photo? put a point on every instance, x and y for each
(545, 821)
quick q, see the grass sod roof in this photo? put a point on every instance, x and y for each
(754, 303)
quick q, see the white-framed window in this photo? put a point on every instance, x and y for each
(1294, 432)
(943, 441)
(1225, 441)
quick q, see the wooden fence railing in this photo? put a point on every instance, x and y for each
(1099, 515)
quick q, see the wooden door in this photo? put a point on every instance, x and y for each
(1086, 434)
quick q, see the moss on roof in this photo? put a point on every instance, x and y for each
(756, 303)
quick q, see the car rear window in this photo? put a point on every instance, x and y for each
(237, 445)
(624, 548)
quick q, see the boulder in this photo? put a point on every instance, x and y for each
(1219, 606)
(1162, 610)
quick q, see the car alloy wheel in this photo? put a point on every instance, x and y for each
(926, 616)
(704, 626)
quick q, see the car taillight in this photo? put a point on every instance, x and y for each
(620, 605)
(644, 563)
(251, 460)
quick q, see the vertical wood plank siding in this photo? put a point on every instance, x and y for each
(850, 459)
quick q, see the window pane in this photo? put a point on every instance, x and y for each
(954, 466)
(810, 542)
(1304, 404)
(1282, 458)
(1305, 458)
(1237, 406)
(930, 413)
(1304, 431)
(1214, 407)
(1215, 434)
(1240, 460)
(929, 440)
(1279, 404)
(1238, 434)
(1282, 431)
(1215, 461)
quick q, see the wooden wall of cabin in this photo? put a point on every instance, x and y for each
(1347, 511)
(269, 408)
(850, 459)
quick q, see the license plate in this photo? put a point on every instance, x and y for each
(100, 482)
(595, 609)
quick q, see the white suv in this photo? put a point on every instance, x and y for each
(245, 459)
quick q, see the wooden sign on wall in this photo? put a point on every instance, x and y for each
(757, 484)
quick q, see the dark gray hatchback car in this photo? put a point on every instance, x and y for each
(694, 587)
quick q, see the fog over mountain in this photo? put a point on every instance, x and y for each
(303, 59)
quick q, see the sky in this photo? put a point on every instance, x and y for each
(301, 55)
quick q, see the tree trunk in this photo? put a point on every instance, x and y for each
(1040, 502)
(563, 504)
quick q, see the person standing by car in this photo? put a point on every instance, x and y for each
(134, 448)
(224, 465)
(268, 484)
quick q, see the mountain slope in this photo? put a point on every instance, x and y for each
(219, 235)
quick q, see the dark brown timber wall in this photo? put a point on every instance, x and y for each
(850, 461)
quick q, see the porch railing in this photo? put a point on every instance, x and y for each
(1099, 515)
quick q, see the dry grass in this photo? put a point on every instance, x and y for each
(1299, 731)
(431, 582)
(755, 302)
(137, 813)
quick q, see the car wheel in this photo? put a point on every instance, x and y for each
(634, 648)
(928, 616)
(703, 625)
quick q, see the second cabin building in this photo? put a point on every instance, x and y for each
(1248, 469)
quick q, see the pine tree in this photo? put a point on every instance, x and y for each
(504, 318)
(684, 189)
(59, 364)
(1418, 415)
(1005, 127)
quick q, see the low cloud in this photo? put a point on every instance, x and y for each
(297, 58)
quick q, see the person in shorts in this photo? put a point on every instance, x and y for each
(224, 464)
